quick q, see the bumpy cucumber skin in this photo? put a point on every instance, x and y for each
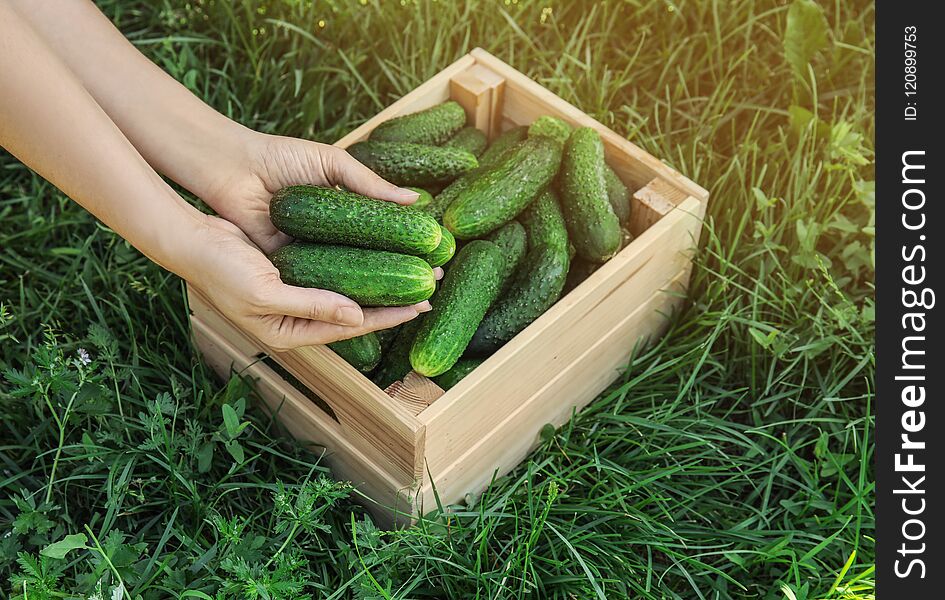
(433, 126)
(498, 194)
(495, 153)
(318, 214)
(470, 287)
(469, 139)
(404, 163)
(538, 281)
(424, 199)
(502, 143)
(543, 221)
(395, 362)
(461, 369)
(591, 221)
(553, 127)
(511, 240)
(536, 287)
(362, 352)
(369, 277)
(618, 195)
(444, 252)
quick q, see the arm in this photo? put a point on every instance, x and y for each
(233, 169)
(50, 122)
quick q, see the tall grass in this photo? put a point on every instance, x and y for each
(731, 460)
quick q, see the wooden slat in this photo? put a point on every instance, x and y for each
(552, 401)
(651, 203)
(306, 423)
(433, 91)
(416, 392)
(526, 100)
(366, 412)
(480, 402)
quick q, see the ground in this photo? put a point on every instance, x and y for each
(732, 460)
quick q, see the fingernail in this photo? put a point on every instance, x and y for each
(350, 315)
(423, 307)
(438, 273)
(408, 194)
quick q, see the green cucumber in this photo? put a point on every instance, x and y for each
(498, 194)
(470, 287)
(461, 369)
(538, 282)
(469, 139)
(424, 199)
(591, 221)
(618, 195)
(319, 214)
(579, 271)
(395, 363)
(433, 126)
(553, 127)
(386, 336)
(362, 352)
(444, 252)
(502, 143)
(543, 221)
(403, 163)
(369, 277)
(511, 240)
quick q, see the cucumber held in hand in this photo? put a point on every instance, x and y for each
(404, 163)
(362, 352)
(510, 238)
(591, 221)
(444, 252)
(470, 287)
(369, 277)
(432, 126)
(319, 214)
(469, 139)
(538, 282)
(461, 369)
(497, 194)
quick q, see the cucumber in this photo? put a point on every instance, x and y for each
(510, 238)
(386, 337)
(362, 352)
(461, 369)
(319, 214)
(369, 277)
(433, 126)
(502, 143)
(403, 163)
(469, 139)
(579, 271)
(538, 282)
(444, 252)
(553, 127)
(395, 362)
(618, 195)
(592, 224)
(470, 287)
(498, 194)
(424, 199)
(543, 221)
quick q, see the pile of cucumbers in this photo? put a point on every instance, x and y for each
(535, 205)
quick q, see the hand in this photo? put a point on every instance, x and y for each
(245, 286)
(241, 193)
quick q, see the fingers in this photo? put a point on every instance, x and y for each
(438, 273)
(313, 304)
(289, 332)
(342, 169)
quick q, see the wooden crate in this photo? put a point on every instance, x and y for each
(397, 447)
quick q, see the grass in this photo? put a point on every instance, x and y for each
(731, 460)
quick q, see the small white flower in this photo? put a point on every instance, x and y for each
(84, 357)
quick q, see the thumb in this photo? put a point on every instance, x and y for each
(342, 168)
(315, 305)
